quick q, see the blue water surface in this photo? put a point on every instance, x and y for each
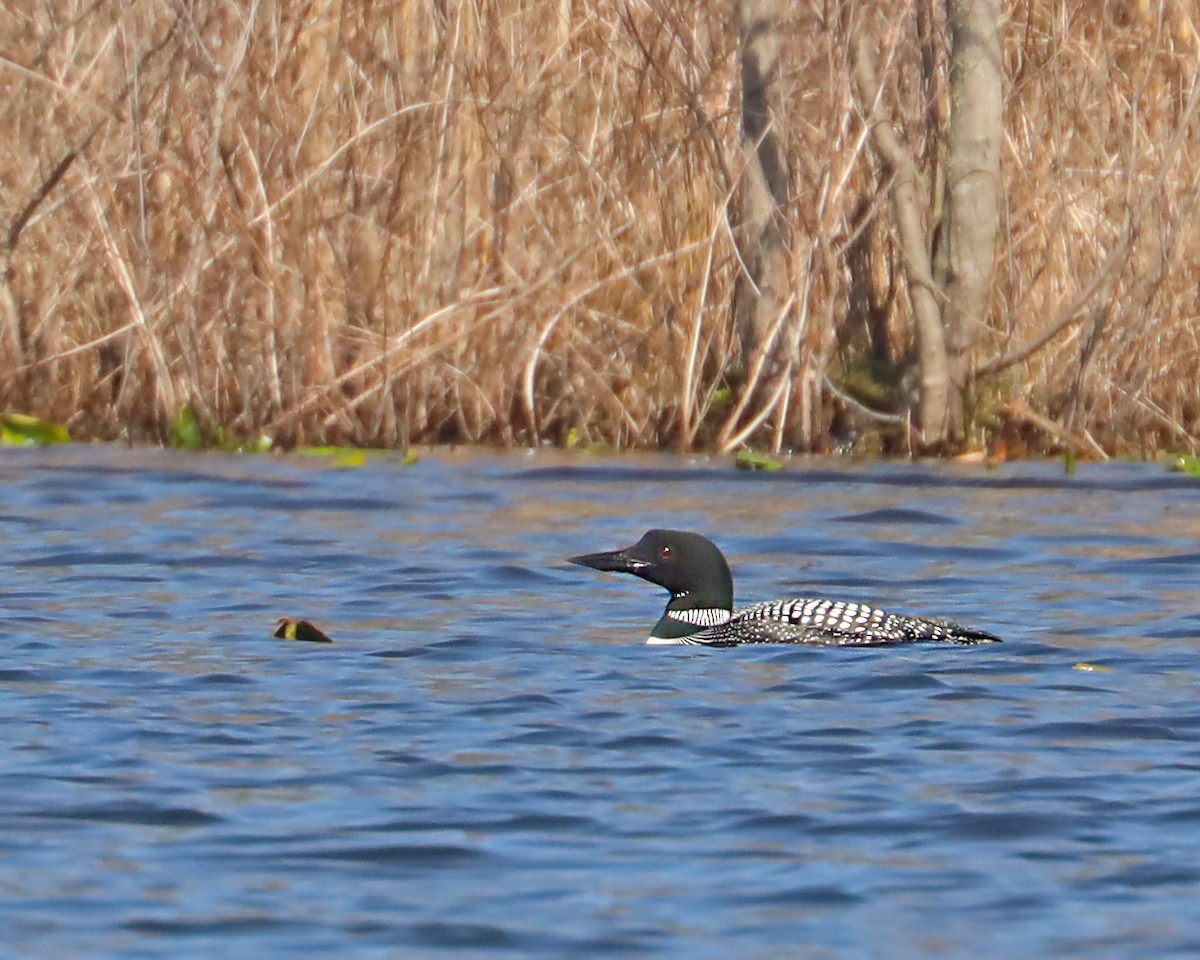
(489, 763)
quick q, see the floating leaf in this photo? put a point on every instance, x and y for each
(20, 429)
(357, 456)
(348, 460)
(752, 460)
(1186, 463)
(289, 629)
(338, 456)
(1093, 668)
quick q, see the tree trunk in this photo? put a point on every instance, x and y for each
(760, 291)
(966, 258)
(907, 204)
(10, 324)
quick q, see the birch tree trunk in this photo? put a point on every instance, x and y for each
(949, 290)
(965, 263)
(760, 292)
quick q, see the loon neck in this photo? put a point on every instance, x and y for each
(686, 614)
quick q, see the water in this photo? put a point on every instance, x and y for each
(488, 763)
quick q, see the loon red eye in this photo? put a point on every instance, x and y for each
(665, 552)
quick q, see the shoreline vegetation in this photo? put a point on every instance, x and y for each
(511, 223)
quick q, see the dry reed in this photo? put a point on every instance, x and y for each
(504, 221)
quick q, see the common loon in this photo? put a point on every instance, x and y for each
(700, 610)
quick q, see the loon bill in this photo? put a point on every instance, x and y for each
(700, 610)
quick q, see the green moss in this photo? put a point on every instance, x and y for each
(753, 460)
(185, 432)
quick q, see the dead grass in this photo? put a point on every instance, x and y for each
(501, 221)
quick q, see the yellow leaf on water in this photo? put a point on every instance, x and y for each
(349, 457)
(1186, 464)
(753, 460)
(1093, 668)
(21, 429)
(341, 457)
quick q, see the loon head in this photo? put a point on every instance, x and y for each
(689, 566)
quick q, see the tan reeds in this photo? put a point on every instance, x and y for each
(503, 221)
